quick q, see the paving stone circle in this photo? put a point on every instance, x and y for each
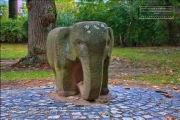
(133, 104)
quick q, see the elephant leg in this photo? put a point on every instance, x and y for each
(54, 72)
(104, 89)
(59, 83)
(63, 83)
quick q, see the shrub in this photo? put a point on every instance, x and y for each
(66, 11)
(65, 19)
(12, 30)
(91, 10)
(118, 19)
(4, 11)
(161, 33)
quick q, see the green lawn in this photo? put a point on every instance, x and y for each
(166, 59)
(16, 75)
(13, 51)
(16, 51)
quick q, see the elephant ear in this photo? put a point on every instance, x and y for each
(65, 47)
(110, 32)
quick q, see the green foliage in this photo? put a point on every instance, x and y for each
(4, 11)
(161, 32)
(123, 17)
(174, 29)
(129, 30)
(12, 30)
(118, 19)
(93, 10)
(25, 26)
(65, 19)
(66, 12)
(25, 10)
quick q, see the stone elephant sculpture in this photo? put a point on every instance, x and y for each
(79, 56)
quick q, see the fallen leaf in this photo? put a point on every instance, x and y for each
(103, 113)
(114, 83)
(169, 118)
(161, 92)
(172, 82)
(168, 95)
(41, 94)
(110, 115)
(70, 98)
(126, 88)
(50, 83)
(171, 71)
(157, 87)
(28, 81)
(143, 71)
(76, 98)
(175, 88)
(163, 102)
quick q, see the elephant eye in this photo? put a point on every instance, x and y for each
(79, 42)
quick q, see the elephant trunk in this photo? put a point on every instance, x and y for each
(90, 87)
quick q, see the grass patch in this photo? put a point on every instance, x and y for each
(13, 51)
(155, 78)
(166, 59)
(159, 79)
(153, 57)
(16, 75)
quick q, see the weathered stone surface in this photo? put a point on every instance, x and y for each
(79, 56)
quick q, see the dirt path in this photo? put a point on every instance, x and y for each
(118, 68)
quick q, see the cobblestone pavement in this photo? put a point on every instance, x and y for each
(133, 104)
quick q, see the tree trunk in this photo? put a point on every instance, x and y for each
(13, 8)
(41, 19)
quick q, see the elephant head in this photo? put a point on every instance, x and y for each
(84, 47)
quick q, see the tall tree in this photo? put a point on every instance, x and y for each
(41, 19)
(13, 8)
